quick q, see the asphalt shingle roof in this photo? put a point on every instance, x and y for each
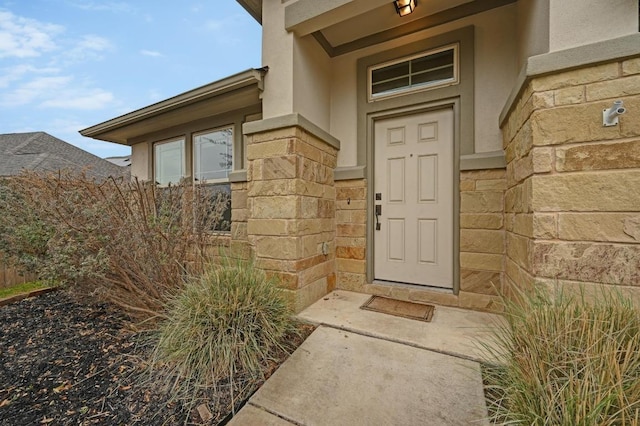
(39, 151)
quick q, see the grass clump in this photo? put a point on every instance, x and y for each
(23, 288)
(569, 360)
(222, 324)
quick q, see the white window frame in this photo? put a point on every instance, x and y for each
(418, 88)
(183, 141)
(195, 152)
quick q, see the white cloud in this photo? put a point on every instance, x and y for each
(89, 47)
(152, 53)
(60, 91)
(102, 6)
(24, 38)
(37, 88)
(18, 72)
(82, 99)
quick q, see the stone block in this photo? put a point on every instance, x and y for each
(570, 95)
(305, 150)
(603, 227)
(631, 66)
(309, 207)
(602, 191)
(351, 242)
(618, 88)
(359, 216)
(588, 262)
(545, 226)
(467, 185)
(285, 280)
(523, 224)
(522, 278)
(276, 148)
(343, 216)
(482, 241)
(239, 230)
(353, 205)
(350, 282)
(239, 215)
(481, 261)
(350, 193)
(270, 135)
(286, 248)
(309, 262)
(518, 198)
(480, 302)
(277, 207)
(307, 295)
(570, 124)
(307, 188)
(481, 202)
(629, 125)
(602, 156)
(279, 167)
(311, 245)
(351, 230)
(482, 174)
(238, 199)
(351, 265)
(378, 290)
(576, 77)
(518, 250)
(435, 297)
(481, 220)
(317, 272)
(326, 208)
(542, 160)
(350, 253)
(480, 282)
(491, 185)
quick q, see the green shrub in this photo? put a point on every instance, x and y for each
(228, 321)
(568, 361)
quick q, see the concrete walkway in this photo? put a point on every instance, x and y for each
(366, 368)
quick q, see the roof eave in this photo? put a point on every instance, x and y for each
(211, 90)
(253, 7)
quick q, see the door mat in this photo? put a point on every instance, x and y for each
(399, 308)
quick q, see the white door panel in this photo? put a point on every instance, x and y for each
(414, 177)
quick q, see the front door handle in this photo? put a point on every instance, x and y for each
(378, 214)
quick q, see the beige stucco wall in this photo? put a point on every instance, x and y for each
(140, 161)
(495, 74)
(579, 22)
(533, 29)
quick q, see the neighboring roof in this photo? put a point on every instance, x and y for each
(122, 161)
(42, 152)
(231, 93)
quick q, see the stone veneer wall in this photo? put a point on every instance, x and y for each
(573, 198)
(291, 223)
(239, 244)
(351, 234)
(482, 237)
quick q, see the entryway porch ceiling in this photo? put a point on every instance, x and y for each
(343, 26)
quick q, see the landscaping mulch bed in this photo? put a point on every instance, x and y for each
(68, 363)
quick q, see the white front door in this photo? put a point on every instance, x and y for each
(413, 198)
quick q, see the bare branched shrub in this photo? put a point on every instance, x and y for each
(128, 242)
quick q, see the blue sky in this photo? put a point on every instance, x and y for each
(69, 64)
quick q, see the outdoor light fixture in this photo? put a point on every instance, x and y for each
(405, 7)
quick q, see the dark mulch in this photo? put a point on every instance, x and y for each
(69, 363)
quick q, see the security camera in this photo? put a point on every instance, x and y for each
(610, 115)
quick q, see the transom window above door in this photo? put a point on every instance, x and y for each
(424, 71)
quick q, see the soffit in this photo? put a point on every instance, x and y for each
(236, 92)
(340, 33)
(254, 7)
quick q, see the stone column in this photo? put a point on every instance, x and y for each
(291, 200)
(573, 198)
